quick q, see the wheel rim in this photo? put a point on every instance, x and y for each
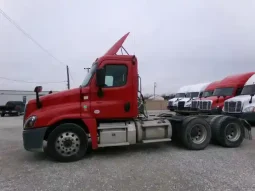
(198, 134)
(233, 132)
(67, 144)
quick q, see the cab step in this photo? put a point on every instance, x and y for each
(113, 144)
(156, 140)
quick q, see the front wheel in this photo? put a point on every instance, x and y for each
(68, 142)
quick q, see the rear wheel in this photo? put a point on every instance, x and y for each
(67, 142)
(228, 131)
(196, 133)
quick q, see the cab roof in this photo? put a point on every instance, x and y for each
(235, 80)
(212, 86)
(193, 88)
(251, 80)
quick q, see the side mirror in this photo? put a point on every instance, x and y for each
(38, 89)
(100, 77)
(252, 95)
(200, 95)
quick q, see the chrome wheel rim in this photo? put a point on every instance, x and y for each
(67, 144)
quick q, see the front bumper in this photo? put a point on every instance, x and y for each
(33, 139)
(171, 108)
(248, 116)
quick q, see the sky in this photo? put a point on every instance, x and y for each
(176, 42)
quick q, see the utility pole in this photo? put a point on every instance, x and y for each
(155, 85)
(87, 69)
(68, 79)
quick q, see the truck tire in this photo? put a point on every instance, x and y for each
(67, 142)
(2, 114)
(212, 120)
(196, 133)
(228, 131)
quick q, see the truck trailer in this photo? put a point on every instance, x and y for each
(108, 115)
(243, 105)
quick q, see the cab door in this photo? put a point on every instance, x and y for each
(116, 101)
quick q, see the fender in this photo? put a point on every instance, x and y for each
(247, 126)
(92, 127)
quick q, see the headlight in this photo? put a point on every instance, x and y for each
(249, 109)
(29, 123)
(188, 105)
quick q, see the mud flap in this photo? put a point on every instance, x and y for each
(247, 129)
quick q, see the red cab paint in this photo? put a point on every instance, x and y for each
(70, 104)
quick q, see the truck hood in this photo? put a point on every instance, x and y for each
(176, 99)
(59, 97)
(63, 97)
(215, 98)
(241, 98)
(245, 99)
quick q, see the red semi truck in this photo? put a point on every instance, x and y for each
(229, 87)
(105, 109)
(208, 92)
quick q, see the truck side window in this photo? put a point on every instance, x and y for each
(238, 91)
(115, 75)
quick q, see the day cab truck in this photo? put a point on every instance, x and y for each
(208, 92)
(243, 105)
(195, 91)
(228, 87)
(107, 114)
(181, 93)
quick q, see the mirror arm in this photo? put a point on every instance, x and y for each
(100, 92)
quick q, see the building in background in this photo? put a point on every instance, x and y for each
(18, 95)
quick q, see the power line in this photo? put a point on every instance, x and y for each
(24, 81)
(29, 36)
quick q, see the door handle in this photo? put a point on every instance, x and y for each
(127, 106)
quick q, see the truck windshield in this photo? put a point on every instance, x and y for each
(248, 90)
(178, 95)
(192, 94)
(90, 74)
(207, 93)
(223, 91)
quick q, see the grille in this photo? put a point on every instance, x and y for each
(233, 106)
(194, 104)
(181, 104)
(205, 105)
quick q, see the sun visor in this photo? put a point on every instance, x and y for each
(115, 48)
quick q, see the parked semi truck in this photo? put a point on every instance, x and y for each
(227, 88)
(208, 92)
(243, 105)
(108, 115)
(194, 92)
(181, 93)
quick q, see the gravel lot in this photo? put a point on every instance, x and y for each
(163, 166)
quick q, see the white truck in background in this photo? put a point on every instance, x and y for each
(243, 105)
(195, 91)
(181, 93)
